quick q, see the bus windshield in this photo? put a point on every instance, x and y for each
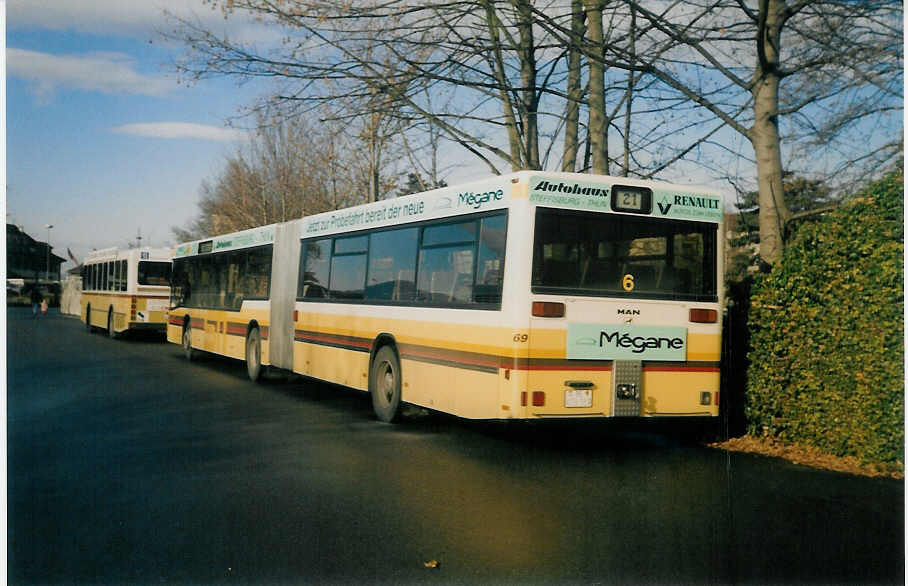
(154, 273)
(596, 254)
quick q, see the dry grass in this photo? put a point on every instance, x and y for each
(809, 456)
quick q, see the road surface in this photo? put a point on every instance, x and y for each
(129, 465)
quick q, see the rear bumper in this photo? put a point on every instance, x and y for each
(148, 327)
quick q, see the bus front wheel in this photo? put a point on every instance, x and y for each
(188, 352)
(384, 385)
(254, 354)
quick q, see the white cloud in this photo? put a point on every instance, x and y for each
(96, 16)
(180, 130)
(109, 73)
(144, 19)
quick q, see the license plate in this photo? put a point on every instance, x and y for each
(155, 305)
(578, 398)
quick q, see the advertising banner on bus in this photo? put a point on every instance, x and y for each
(411, 208)
(626, 342)
(596, 196)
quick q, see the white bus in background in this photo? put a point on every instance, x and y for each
(126, 289)
(528, 296)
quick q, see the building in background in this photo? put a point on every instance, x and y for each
(30, 263)
(29, 259)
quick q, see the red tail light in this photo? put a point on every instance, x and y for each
(538, 399)
(548, 309)
(704, 316)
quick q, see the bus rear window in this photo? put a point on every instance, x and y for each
(154, 273)
(596, 254)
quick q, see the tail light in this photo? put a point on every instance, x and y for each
(548, 309)
(704, 316)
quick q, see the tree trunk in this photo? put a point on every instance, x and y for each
(529, 99)
(497, 59)
(764, 135)
(574, 92)
(629, 97)
(598, 125)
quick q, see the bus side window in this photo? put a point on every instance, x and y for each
(178, 286)
(348, 276)
(446, 274)
(392, 265)
(490, 264)
(315, 261)
(258, 282)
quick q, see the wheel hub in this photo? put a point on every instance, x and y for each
(387, 382)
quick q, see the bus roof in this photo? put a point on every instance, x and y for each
(566, 190)
(108, 254)
(243, 239)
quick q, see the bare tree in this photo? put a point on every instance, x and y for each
(783, 74)
(483, 53)
(285, 171)
(574, 91)
(803, 73)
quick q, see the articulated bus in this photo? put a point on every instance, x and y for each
(528, 296)
(126, 289)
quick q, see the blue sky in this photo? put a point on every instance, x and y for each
(103, 142)
(101, 139)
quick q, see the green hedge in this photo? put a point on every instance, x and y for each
(827, 342)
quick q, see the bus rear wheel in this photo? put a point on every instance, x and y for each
(254, 354)
(188, 352)
(385, 385)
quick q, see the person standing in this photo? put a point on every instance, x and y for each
(36, 299)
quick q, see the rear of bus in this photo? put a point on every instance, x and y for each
(625, 299)
(151, 294)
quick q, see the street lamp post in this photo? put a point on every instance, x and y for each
(47, 264)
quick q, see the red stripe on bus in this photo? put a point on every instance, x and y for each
(452, 356)
(562, 366)
(301, 336)
(680, 368)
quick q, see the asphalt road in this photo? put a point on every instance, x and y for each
(129, 465)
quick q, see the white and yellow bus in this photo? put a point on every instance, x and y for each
(528, 296)
(126, 289)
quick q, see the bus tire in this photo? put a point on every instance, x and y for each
(254, 354)
(88, 318)
(385, 385)
(111, 333)
(188, 352)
